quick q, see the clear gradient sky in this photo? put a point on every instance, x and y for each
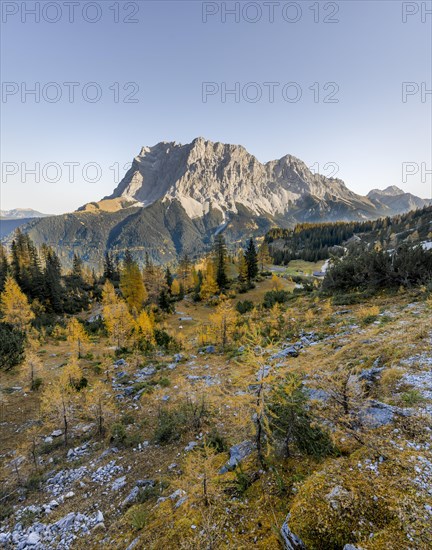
(369, 133)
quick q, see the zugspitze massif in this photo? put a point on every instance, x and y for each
(182, 195)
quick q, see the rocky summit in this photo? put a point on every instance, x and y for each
(176, 198)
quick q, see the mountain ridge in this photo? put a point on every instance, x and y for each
(204, 173)
(21, 213)
(175, 198)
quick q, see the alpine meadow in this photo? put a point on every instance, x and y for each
(225, 343)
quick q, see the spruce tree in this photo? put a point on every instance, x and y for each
(184, 270)
(52, 280)
(251, 260)
(242, 271)
(4, 267)
(220, 254)
(168, 278)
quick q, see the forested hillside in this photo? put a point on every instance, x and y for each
(313, 242)
(217, 403)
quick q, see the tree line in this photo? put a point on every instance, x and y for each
(35, 292)
(407, 266)
(317, 241)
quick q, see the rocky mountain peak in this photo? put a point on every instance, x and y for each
(390, 191)
(205, 174)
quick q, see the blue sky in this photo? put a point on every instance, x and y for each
(171, 51)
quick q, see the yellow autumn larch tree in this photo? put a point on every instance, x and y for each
(224, 320)
(77, 336)
(132, 287)
(99, 405)
(14, 305)
(144, 327)
(116, 316)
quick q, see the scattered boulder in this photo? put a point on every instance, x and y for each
(148, 371)
(191, 446)
(133, 544)
(371, 376)
(289, 539)
(377, 414)
(118, 483)
(193, 377)
(33, 539)
(238, 453)
(337, 496)
(287, 352)
(179, 496)
(145, 483)
(131, 497)
(262, 373)
(317, 394)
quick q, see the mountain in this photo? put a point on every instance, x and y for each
(21, 213)
(175, 198)
(11, 219)
(203, 174)
(396, 200)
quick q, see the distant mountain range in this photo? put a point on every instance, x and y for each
(397, 200)
(21, 213)
(175, 198)
(11, 219)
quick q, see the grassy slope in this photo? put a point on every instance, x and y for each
(401, 322)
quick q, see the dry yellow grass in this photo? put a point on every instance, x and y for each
(400, 333)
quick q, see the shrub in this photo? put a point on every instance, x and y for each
(97, 326)
(81, 384)
(6, 510)
(164, 382)
(171, 423)
(245, 306)
(164, 340)
(412, 397)
(33, 482)
(118, 434)
(147, 493)
(215, 440)
(12, 346)
(127, 419)
(137, 517)
(36, 384)
(275, 297)
(408, 266)
(291, 423)
(241, 483)
(168, 428)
